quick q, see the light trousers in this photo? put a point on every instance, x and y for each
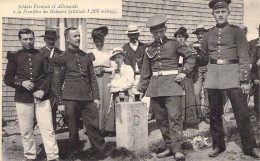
(25, 113)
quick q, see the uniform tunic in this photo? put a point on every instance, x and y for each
(226, 42)
(28, 65)
(164, 57)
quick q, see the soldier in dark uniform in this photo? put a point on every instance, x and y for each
(162, 81)
(30, 74)
(255, 77)
(80, 93)
(225, 51)
(49, 51)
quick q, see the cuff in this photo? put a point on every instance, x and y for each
(185, 71)
(18, 82)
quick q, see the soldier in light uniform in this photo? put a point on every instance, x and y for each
(162, 81)
(225, 50)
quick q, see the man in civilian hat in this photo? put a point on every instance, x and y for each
(162, 81)
(255, 77)
(135, 50)
(49, 51)
(225, 51)
(30, 74)
(79, 95)
(200, 72)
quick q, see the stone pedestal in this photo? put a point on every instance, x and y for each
(132, 126)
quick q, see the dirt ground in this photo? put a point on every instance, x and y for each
(13, 150)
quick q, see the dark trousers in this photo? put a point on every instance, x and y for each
(89, 114)
(168, 115)
(240, 109)
(54, 108)
(257, 102)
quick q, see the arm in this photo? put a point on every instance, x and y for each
(93, 80)
(146, 73)
(59, 66)
(10, 78)
(243, 55)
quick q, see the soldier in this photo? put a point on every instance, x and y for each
(49, 51)
(225, 51)
(162, 82)
(255, 77)
(80, 94)
(30, 74)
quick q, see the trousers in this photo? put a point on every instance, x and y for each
(168, 114)
(90, 117)
(241, 113)
(25, 114)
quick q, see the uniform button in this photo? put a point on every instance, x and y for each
(30, 68)
(158, 47)
(219, 51)
(31, 73)
(219, 37)
(219, 42)
(31, 78)
(158, 51)
(30, 59)
(160, 63)
(219, 33)
(159, 56)
(29, 54)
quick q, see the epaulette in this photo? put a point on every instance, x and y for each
(59, 59)
(235, 26)
(11, 55)
(91, 56)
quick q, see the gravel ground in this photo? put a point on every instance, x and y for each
(13, 150)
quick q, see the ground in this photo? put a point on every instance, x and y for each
(13, 149)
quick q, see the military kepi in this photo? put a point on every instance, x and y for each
(215, 4)
(156, 22)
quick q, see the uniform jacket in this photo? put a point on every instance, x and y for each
(134, 57)
(75, 71)
(164, 57)
(226, 42)
(28, 65)
(46, 54)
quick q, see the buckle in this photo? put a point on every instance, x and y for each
(220, 61)
(159, 72)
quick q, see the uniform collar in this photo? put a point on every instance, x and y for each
(222, 25)
(73, 51)
(32, 51)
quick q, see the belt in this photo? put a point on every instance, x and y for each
(168, 72)
(223, 61)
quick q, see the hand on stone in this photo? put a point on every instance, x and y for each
(28, 84)
(180, 77)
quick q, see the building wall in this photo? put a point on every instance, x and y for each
(187, 13)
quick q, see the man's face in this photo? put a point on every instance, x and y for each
(119, 59)
(200, 35)
(50, 42)
(181, 38)
(221, 15)
(133, 37)
(27, 41)
(158, 33)
(73, 38)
